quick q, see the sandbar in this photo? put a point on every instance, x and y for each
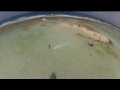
(91, 34)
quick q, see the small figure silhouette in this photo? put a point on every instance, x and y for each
(49, 45)
(53, 76)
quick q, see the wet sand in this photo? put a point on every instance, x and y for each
(25, 52)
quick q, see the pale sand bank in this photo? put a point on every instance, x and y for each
(44, 19)
(92, 34)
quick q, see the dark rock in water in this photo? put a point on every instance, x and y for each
(53, 76)
(91, 44)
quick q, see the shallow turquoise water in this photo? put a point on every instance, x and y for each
(25, 52)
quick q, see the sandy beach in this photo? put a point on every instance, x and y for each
(92, 34)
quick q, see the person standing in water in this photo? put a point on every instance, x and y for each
(49, 45)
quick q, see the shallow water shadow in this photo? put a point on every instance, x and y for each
(53, 76)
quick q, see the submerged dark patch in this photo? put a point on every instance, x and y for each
(107, 47)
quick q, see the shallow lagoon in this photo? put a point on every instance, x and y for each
(25, 50)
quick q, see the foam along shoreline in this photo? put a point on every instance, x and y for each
(57, 15)
(92, 34)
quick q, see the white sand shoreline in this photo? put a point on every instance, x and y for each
(58, 15)
(92, 34)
